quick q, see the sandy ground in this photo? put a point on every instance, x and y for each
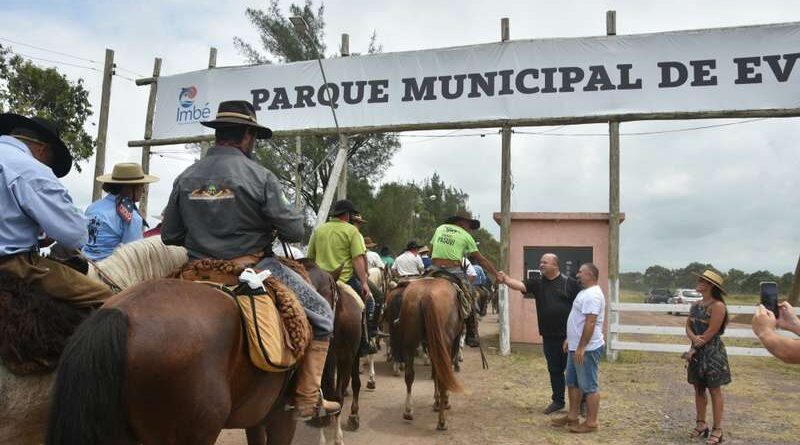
(645, 400)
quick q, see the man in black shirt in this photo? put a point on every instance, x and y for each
(554, 294)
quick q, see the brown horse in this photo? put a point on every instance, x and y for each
(165, 363)
(429, 316)
(341, 365)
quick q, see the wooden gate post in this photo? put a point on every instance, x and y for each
(613, 217)
(505, 221)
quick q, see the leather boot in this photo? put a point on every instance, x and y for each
(308, 398)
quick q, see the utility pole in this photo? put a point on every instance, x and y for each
(341, 191)
(613, 214)
(298, 175)
(212, 63)
(505, 220)
(102, 126)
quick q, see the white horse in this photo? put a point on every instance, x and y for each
(25, 401)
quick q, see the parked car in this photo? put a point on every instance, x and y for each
(657, 296)
(684, 296)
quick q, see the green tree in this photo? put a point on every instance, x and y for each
(368, 154)
(751, 284)
(686, 278)
(734, 280)
(658, 276)
(633, 281)
(30, 90)
(785, 283)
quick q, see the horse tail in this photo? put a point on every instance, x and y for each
(87, 400)
(434, 318)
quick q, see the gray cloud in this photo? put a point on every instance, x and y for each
(726, 196)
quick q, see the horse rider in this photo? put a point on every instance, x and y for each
(375, 304)
(409, 264)
(338, 243)
(451, 243)
(115, 219)
(228, 206)
(32, 157)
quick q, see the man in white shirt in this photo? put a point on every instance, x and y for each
(373, 259)
(409, 264)
(585, 345)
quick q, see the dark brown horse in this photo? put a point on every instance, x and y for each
(429, 316)
(165, 363)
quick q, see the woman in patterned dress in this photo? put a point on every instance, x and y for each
(708, 368)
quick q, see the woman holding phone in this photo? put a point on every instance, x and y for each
(708, 368)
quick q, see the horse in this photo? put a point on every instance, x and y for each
(429, 315)
(341, 365)
(25, 400)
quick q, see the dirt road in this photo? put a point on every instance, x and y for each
(645, 400)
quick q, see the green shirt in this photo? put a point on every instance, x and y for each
(335, 243)
(451, 242)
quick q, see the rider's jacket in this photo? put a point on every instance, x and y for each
(32, 200)
(226, 206)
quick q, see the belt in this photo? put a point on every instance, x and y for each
(441, 262)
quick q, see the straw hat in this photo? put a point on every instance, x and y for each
(424, 249)
(369, 243)
(127, 173)
(714, 278)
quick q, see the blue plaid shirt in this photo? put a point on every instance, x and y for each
(33, 200)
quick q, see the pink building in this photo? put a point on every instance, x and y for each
(575, 237)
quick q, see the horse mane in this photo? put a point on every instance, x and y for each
(34, 327)
(139, 261)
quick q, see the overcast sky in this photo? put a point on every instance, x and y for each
(725, 195)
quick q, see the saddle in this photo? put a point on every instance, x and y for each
(34, 328)
(275, 323)
(462, 289)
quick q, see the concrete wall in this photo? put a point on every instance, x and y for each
(551, 229)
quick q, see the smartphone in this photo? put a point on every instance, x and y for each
(769, 296)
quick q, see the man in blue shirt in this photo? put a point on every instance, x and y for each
(115, 219)
(32, 157)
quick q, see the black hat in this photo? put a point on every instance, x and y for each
(343, 206)
(412, 245)
(238, 112)
(463, 215)
(48, 131)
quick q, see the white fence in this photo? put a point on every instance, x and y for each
(615, 328)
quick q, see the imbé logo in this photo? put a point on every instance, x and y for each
(186, 98)
(188, 112)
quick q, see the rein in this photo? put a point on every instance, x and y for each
(115, 288)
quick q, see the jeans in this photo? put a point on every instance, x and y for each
(369, 304)
(318, 311)
(584, 376)
(556, 365)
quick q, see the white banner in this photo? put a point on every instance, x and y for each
(718, 70)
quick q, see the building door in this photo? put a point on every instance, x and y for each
(570, 258)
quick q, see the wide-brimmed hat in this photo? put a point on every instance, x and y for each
(463, 215)
(48, 131)
(358, 219)
(369, 243)
(424, 249)
(714, 278)
(343, 206)
(238, 112)
(412, 245)
(127, 173)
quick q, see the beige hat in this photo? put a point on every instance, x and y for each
(424, 249)
(714, 278)
(127, 173)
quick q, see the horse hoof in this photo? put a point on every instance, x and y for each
(441, 427)
(353, 422)
(408, 416)
(371, 385)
